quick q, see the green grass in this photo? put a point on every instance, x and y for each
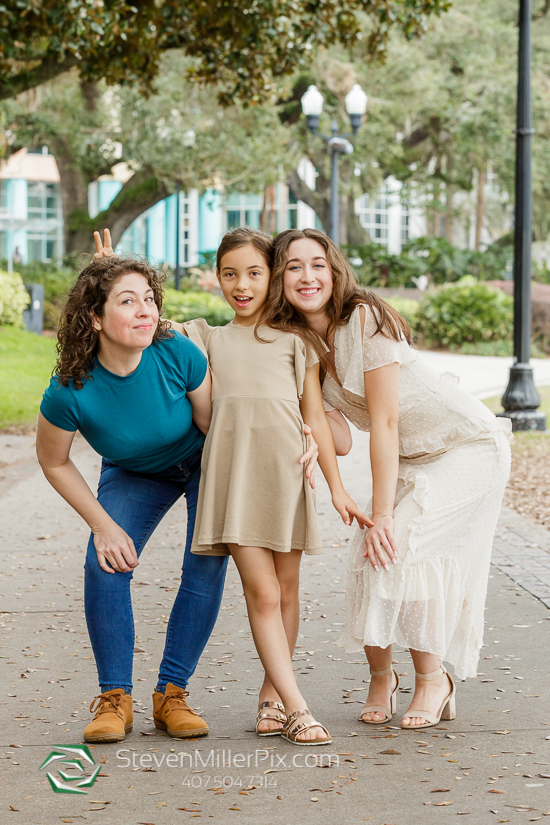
(525, 440)
(26, 363)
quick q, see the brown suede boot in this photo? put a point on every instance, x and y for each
(172, 714)
(114, 717)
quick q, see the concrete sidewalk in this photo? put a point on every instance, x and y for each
(482, 375)
(491, 764)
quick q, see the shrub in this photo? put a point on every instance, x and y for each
(186, 306)
(14, 298)
(436, 258)
(465, 312)
(407, 307)
(57, 282)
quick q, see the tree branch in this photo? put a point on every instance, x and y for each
(48, 68)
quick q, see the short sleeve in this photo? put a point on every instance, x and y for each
(60, 407)
(195, 363)
(199, 332)
(378, 349)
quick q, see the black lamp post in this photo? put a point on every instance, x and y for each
(312, 107)
(188, 141)
(520, 400)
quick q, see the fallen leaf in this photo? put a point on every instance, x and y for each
(495, 790)
(441, 804)
(398, 753)
(440, 790)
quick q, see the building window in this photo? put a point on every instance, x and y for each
(243, 210)
(405, 222)
(292, 210)
(43, 246)
(3, 197)
(373, 215)
(43, 200)
(134, 240)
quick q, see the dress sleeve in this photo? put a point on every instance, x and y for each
(304, 358)
(378, 349)
(199, 332)
(195, 363)
(60, 407)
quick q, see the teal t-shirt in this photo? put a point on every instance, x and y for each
(142, 421)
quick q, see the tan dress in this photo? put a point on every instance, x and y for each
(454, 461)
(253, 492)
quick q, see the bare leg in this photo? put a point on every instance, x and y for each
(379, 658)
(262, 592)
(427, 695)
(287, 569)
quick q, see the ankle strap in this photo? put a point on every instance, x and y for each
(426, 677)
(385, 672)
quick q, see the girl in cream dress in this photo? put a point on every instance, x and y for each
(440, 462)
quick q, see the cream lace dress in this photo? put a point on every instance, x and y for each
(454, 462)
(253, 491)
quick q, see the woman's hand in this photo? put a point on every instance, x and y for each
(114, 547)
(380, 546)
(310, 456)
(349, 510)
(105, 249)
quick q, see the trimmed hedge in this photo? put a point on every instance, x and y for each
(14, 298)
(186, 306)
(465, 312)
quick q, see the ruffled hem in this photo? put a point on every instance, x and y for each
(392, 607)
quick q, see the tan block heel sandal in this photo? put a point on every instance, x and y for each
(293, 728)
(447, 709)
(264, 712)
(389, 711)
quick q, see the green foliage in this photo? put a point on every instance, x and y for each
(409, 308)
(436, 258)
(57, 283)
(245, 48)
(26, 364)
(14, 298)
(465, 312)
(186, 306)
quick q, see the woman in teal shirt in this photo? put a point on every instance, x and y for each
(140, 395)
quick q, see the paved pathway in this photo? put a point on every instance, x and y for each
(492, 763)
(484, 376)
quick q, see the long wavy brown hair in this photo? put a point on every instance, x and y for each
(77, 340)
(346, 295)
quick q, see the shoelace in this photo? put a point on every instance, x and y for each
(179, 698)
(106, 704)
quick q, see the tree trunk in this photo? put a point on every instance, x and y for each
(74, 190)
(355, 231)
(479, 206)
(142, 191)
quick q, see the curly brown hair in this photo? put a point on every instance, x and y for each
(346, 295)
(77, 340)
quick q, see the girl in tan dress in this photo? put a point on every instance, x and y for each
(254, 498)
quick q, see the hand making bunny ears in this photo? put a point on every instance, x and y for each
(105, 249)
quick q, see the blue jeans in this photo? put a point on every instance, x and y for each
(137, 502)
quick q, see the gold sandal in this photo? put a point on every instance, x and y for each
(292, 729)
(389, 711)
(446, 711)
(279, 716)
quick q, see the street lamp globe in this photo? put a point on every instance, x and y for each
(312, 107)
(189, 138)
(356, 105)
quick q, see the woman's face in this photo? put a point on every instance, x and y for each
(308, 277)
(130, 315)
